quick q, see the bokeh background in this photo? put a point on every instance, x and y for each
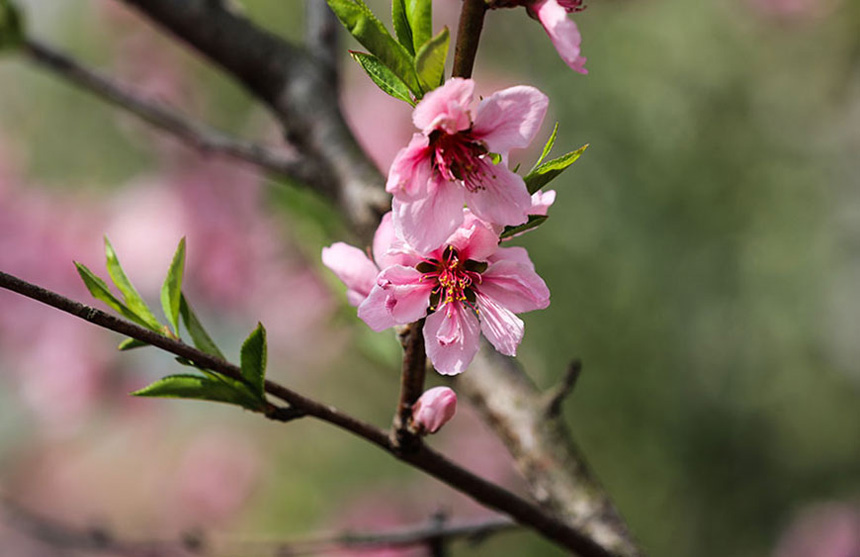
(703, 258)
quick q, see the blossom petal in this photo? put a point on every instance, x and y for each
(514, 286)
(411, 169)
(451, 336)
(510, 118)
(503, 199)
(446, 108)
(516, 254)
(390, 250)
(502, 328)
(474, 239)
(562, 31)
(541, 202)
(399, 297)
(425, 222)
(354, 268)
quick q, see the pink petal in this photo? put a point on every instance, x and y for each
(562, 31)
(388, 249)
(411, 169)
(541, 202)
(426, 222)
(516, 254)
(502, 328)
(451, 336)
(514, 286)
(399, 297)
(446, 108)
(433, 409)
(354, 268)
(503, 199)
(474, 239)
(509, 119)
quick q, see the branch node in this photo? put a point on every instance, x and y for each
(555, 397)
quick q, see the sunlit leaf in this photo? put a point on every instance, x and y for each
(199, 336)
(548, 171)
(253, 359)
(420, 16)
(547, 148)
(430, 60)
(197, 387)
(402, 28)
(100, 291)
(382, 76)
(171, 291)
(533, 222)
(131, 297)
(131, 344)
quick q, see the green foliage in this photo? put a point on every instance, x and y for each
(197, 387)
(131, 344)
(419, 15)
(171, 291)
(382, 76)
(546, 172)
(401, 25)
(199, 336)
(130, 295)
(547, 147)
(533, 222)
(430, 60)
(100, 291)
(370, 32)
(11, 25)
(253, 360)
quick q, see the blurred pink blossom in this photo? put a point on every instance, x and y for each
(433, 409)
(823, 530)
(562, 30)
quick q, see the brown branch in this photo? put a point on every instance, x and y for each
(58, 534)
(543, 450)
(555, 397)
(322, 33)
(411, 385)
(423, 458)
(195, 134)
(468, 36)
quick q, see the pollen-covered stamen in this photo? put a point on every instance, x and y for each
(460, 158)
(454, 278)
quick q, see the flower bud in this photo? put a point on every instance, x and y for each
(433, 409)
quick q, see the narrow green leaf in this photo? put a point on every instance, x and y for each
(196, 387)
(382, 76)
(131, 344)
(548, 171)
(253, 359)
(533, 222)
(130, 295)
(420, 16)
(369, 31)
(547, 148)
(401, 25)
(199, 336)
(430, 60)
(100, 291)
(11, 25)
(171, 291)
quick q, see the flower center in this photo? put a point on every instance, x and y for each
(459, 158)
(454, 278)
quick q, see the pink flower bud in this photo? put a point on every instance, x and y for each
(433, 410)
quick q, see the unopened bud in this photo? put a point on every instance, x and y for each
(433, 409)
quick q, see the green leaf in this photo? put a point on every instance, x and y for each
(401, 25)
(131, 344)
(533, 222)
(11, 25)
(547, 148)
(369, 31)
(171, 291)
(548, 171)
(382, 76)
(430, 60)
(100, 291)
(420, 16)
(130, 295)
(197, 387)
(253, 360)
(199, 336)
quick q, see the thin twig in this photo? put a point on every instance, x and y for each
(468, 36)
(555, 396)
(424, 458)
(411, 386)
(203, 138)
(58, 534)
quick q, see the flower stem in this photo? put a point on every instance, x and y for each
(468, 36)
(411, 385)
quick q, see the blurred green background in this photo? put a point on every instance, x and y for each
(703, 259)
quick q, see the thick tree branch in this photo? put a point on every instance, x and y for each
(543, 450)
(423, 457)
(199, 136)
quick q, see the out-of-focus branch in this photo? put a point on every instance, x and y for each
(411, 385)
(555, 397)
(195, 134)
(321, 39)
(60, 535)
(423, 458)
(543, 450)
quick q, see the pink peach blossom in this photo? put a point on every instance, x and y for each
(433, 409)
(450, 163)
(562, 30)
(465, 287)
